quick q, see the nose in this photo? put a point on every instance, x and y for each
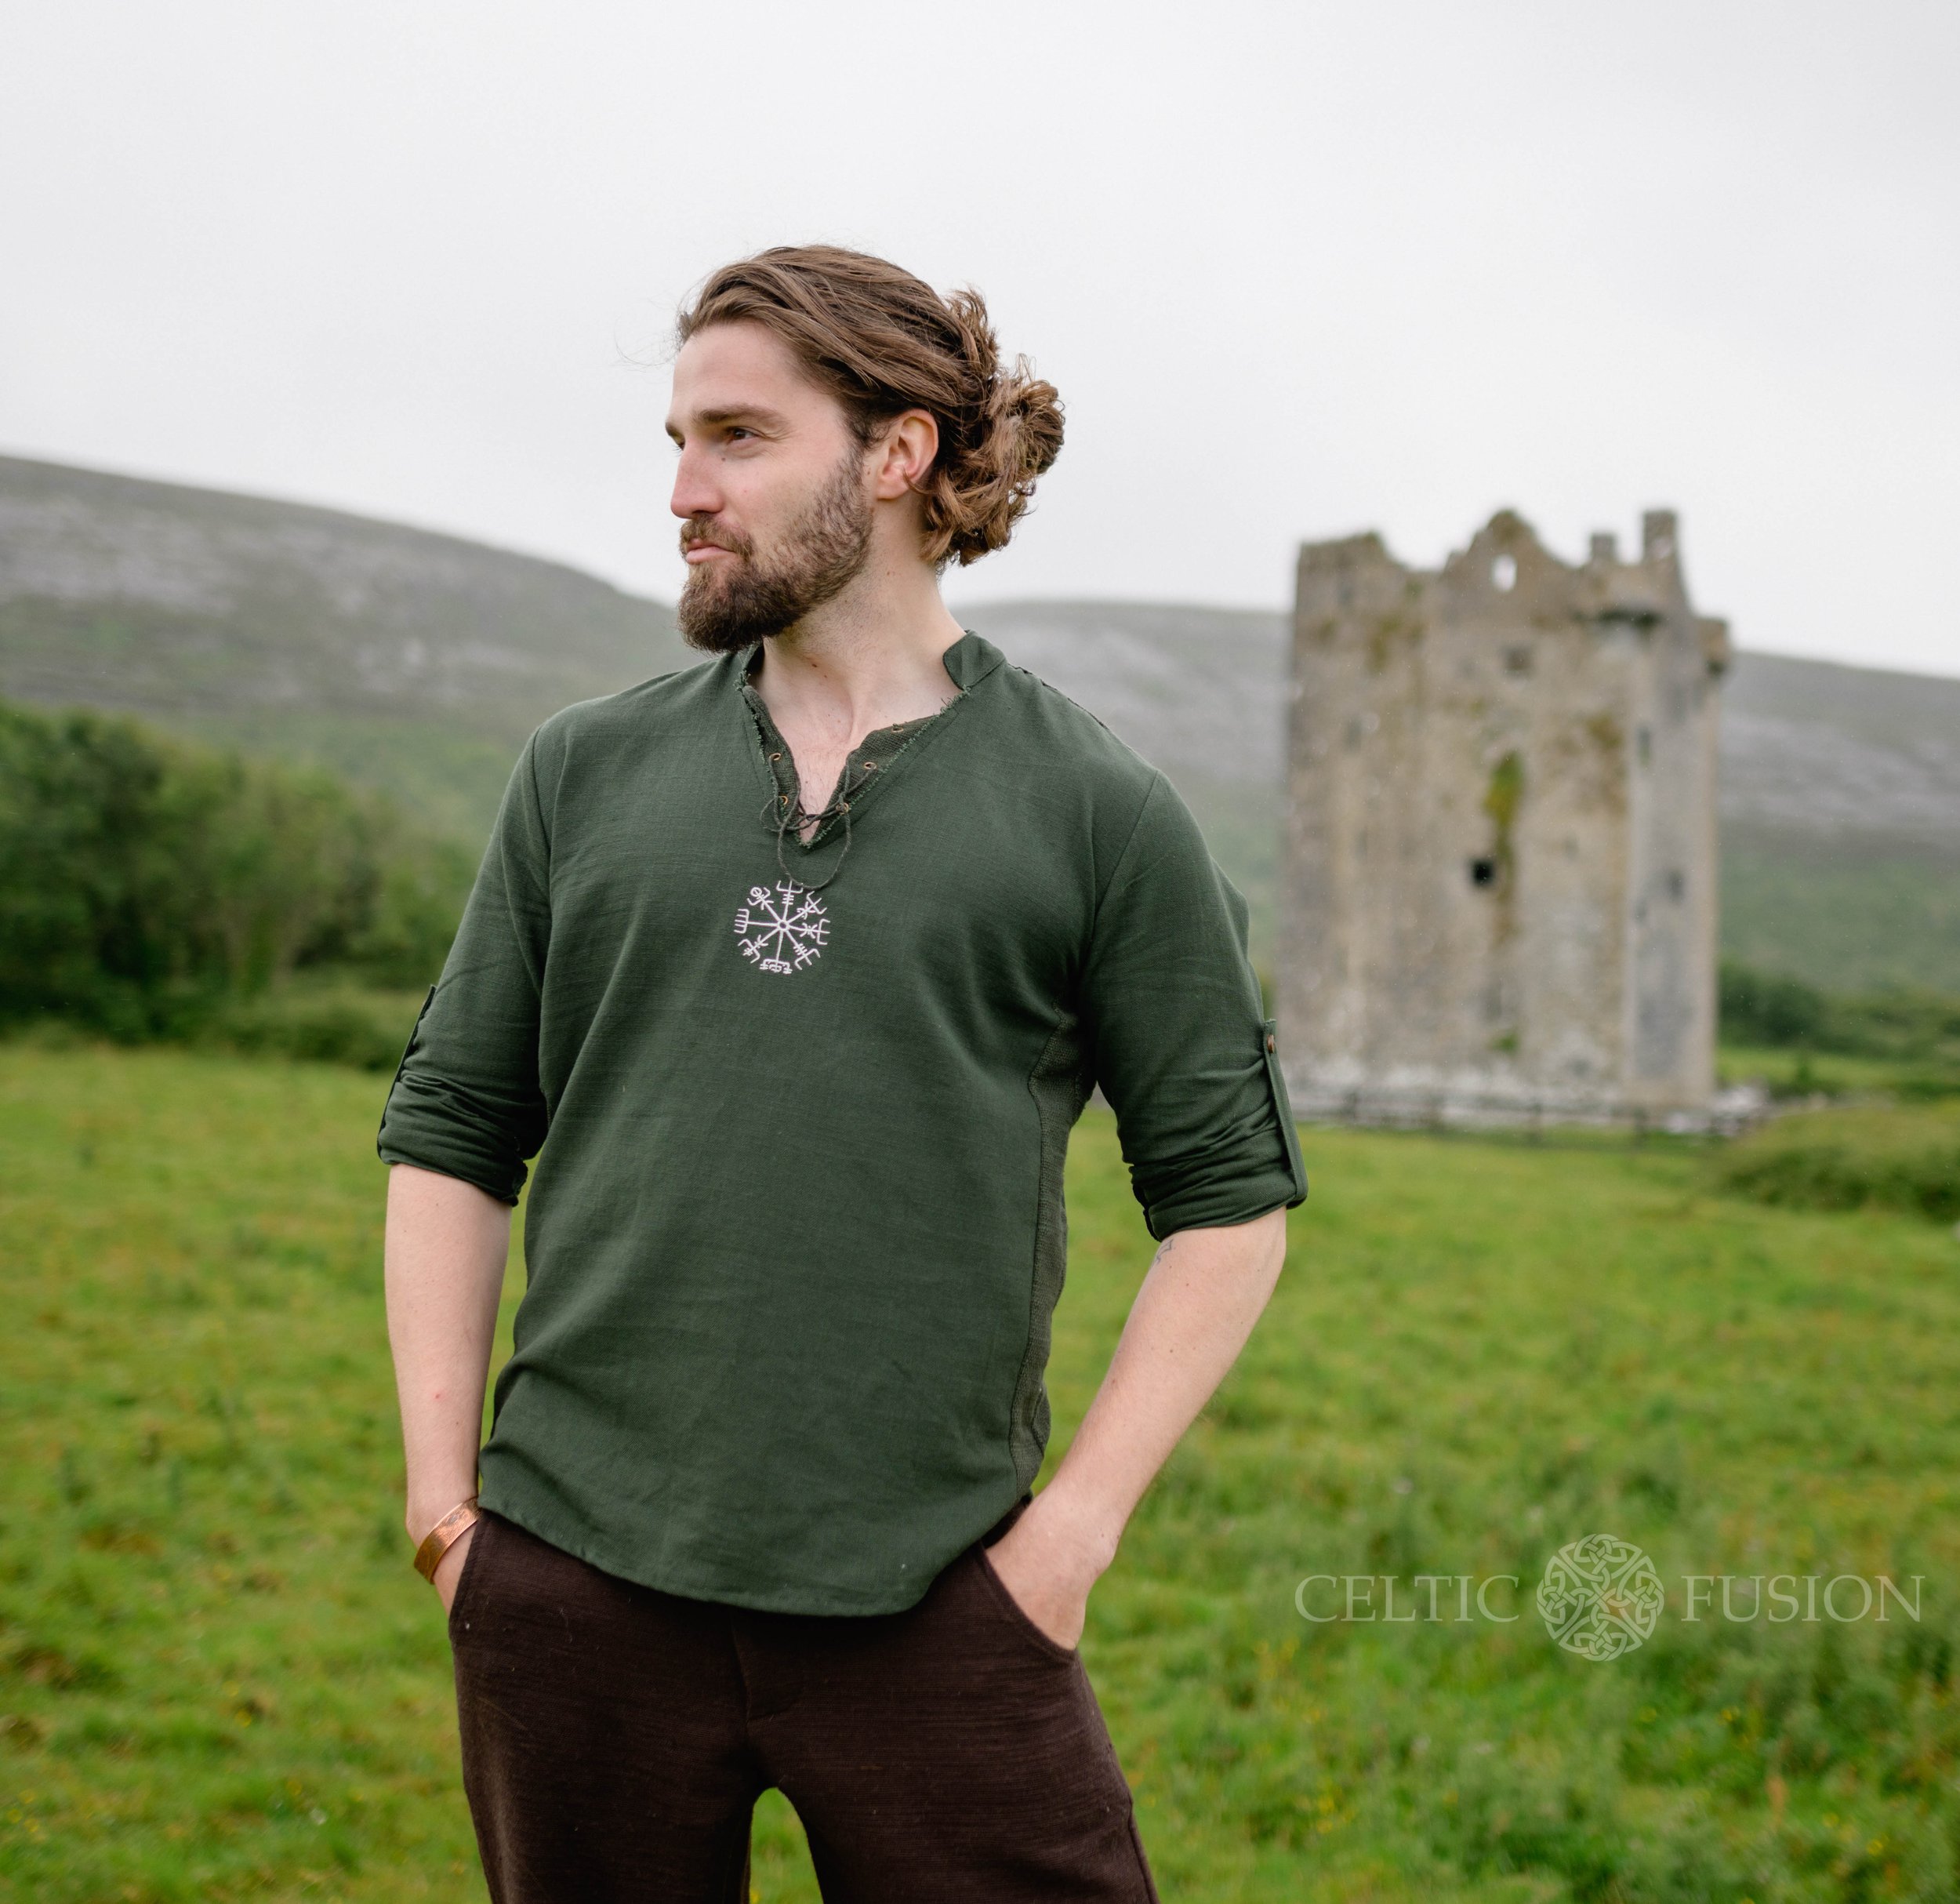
(695, 492)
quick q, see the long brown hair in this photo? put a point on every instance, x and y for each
(882, 341)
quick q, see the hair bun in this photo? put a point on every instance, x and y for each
(1033, 408)
(984, 479)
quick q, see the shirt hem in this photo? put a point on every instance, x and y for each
(569, 1538)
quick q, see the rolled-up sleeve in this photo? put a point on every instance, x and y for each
(465, 1099)
(1182, 1047)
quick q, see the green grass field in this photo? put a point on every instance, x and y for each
(220, 1680)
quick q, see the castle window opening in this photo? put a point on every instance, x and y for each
(1517, 661)
(1503, 573)
(1483, 872)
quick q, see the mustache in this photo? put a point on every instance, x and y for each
(703, 528)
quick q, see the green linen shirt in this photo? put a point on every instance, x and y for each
(799, 1114)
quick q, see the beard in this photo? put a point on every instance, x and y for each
(726, 605)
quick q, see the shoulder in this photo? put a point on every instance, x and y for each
(1044, 726)
(663, 706)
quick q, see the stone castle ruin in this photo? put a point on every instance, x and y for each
(1499, 890)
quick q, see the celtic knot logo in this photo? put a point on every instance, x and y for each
(1600, 1596)
(784, 929)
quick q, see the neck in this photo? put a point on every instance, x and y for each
(870, 659)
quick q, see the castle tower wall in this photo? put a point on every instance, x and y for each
(1500, 879)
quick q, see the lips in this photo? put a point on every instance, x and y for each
(699, 543)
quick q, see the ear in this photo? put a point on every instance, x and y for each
(903, 456)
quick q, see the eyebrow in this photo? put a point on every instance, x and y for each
(737, 413)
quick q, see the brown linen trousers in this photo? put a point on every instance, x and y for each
(616, 1738)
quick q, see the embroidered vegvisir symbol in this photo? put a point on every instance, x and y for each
(1600, 1596)
(785, 927)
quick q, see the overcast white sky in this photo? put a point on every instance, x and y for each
(1298, 269)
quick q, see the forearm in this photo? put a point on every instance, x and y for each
(1192, 1316)
(445, 1248)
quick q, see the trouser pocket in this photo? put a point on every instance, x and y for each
(1012, 1614)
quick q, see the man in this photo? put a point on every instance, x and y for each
(793, 971)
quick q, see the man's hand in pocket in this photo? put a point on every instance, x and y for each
(1048, 1563)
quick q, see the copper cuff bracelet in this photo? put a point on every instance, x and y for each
(441, 1538)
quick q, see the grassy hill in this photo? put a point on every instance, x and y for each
(411, 661)
(1841, 823)
(417, 662)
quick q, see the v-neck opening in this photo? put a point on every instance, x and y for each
(874, 760)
